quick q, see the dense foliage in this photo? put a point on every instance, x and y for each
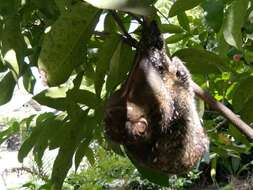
(83, 62)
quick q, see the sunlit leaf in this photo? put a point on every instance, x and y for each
(181, 5)
(61, 51)
(53, 97)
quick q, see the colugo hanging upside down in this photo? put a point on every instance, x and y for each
(154, 114)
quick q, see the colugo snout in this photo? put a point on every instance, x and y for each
(154, 114)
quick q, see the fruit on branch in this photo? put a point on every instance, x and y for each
(154, 115)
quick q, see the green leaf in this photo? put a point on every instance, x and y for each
(234, 22)
(109, 23)
(105, 54)
(214, 13)
(247, 111)
(243, 93)
(120, 64)
(2, 65)
(7, 85)
(232, 130)
(8, 8)
(47, 7)
(13, 129)
(73, 135)
(126, 61)
(84, 150)
(176, 38)
(61, 49)
(49, 127)
(149, 174)
(141, 7)
(181, 6)
(29, 143)
(183, 21)
(29, 80)
(213, 169)
(53, 97)
(171, 28)
(85, 97)
(13, 45)
(200, 61)
(112, 79)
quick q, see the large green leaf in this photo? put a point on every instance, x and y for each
(176, 38)
(141, 7)
(120, 64)
(29, 143)
(200, 61)
(85, 97)
(182, 5)
(62, 46)
(9, 7)
(7, 85)
(105, 55)
(114, 69)
(243, 93)
(234, 22)
(214, 13)
(47, 7)
(171, 28)
(50, 127)
(53, 97)
(13, 45)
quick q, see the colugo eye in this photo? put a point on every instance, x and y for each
(182, 75)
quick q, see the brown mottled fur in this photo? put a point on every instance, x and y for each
(154, 115)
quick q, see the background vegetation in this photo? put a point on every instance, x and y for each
(83, 51)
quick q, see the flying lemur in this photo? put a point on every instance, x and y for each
(154, 114)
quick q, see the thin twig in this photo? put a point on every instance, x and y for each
(131, 40)
(226, 112)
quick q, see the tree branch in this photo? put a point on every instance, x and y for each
(227, 113)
